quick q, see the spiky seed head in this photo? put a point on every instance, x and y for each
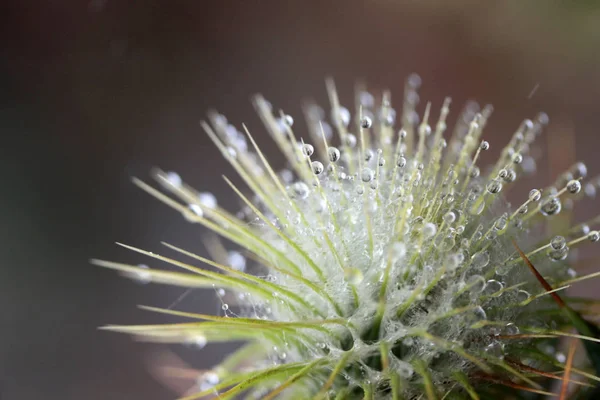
(379, 262)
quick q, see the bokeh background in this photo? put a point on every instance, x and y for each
(94, 92)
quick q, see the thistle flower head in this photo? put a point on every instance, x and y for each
(380, 262)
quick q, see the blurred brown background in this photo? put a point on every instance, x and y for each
(95, 92)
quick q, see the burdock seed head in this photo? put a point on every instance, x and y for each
(379, 263)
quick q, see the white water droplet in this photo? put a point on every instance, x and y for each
(476, 284)
(353, 275)
(317, 167)
(308, 149)
(207, 199)
(551, 206)
(237, 261)
(333, 154)
(174, 179)
(142, 276)
(366, 122)
(367, 175)
(289, 120)
(480, 259)
(574, 186)
(535, 195)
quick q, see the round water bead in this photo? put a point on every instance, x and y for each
(350, 140)
(479, 314)
(580, 169)
(535, 195)
(366, 175)
(445, 243)
(476, 284)
(558, 254)
(485, 145)
(425, 130)
(480, 259)
(558, 242)
(198, 341)
(512, 176)
(494, 186)
(455, 260)
(500, 223)
(236, 260)
(208, 380)
(551, 206)
(495, 349)
(503, 269)
(282, 127)
(333, 154)
(511, 329)
(317, 167)
(449, 217)
(594, 236)
(492, 287)
(491, 235)
(325, 129)
(142, 276)
(401, 162)
(286, 175)
(207, 199)
(517, 158)
(429, 229)
(584, 229)
(301, 190)
(366, 122)
(574, 186)
(522, 295)
(353, 275)
(366, 99)
(475, 171)
(308, 149)
(344, 116)
(389, 119)
(232, 152)
(590, 190)
(289, 121)
(174, 179)
(196, 209)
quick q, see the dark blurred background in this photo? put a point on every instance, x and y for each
(92, 93)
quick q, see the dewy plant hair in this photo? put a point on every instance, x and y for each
(383, 261)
